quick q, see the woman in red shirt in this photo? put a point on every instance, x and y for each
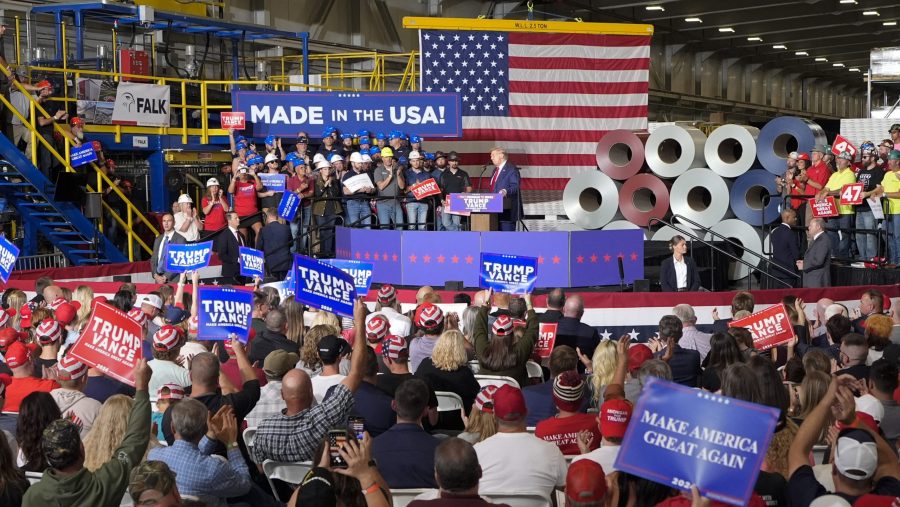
(244, 187)
(214, 206)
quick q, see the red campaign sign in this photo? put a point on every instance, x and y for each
(424, 189)
(546, 339)
(770, 327)
(841, 143)
(852, 194)
(111, 342)
(823, 208)
(233, 120)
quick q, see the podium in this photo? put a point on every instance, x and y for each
(484, 209)
(483, 222)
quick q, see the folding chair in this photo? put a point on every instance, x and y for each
(291, 473)
(495, 380)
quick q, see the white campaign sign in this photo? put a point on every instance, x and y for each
(141, 104)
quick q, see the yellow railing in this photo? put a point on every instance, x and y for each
(131, 210)
(379, 70)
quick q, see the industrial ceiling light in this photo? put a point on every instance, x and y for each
(890, 23)
(726, 29)
(693, 20)
(848, 1)
(779, 46)
(837, 64)
(659, 8)
(821, 59)
(871, 13)
(754, 39)
(801, 53)
(853, 69)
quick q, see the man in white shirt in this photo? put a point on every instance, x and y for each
(540, 466)
(331, 350)
(187, 222)
(614, 417)
(400, 325)
(691, 337)
(270, 403)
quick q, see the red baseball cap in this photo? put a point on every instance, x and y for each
(48, 331)
(18, 354)
(386, 294)
(509, 404)
(71, 368)
(25, 312)
(394, 348)
(377, 328)
(637, 355)
(429, 316)
(67, 312)
(803, 156)
(9, 335)
(585, 482)
(484, 401)
(614, 418)
(503, 326)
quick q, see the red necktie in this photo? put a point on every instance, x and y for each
(494, 177)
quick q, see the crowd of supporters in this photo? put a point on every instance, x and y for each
(203, 417)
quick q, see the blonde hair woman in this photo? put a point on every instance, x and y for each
(481, 423)
(601, 366)
(309, 351)
(16, 300)
(328, 319)
(293, 313)
(106, 435)
(447, 370)
(85, 296)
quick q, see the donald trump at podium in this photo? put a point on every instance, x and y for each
(505, 180)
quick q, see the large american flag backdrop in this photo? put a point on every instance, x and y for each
(547, 98)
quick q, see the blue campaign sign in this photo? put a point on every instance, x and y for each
(224, 311)
(8, 255)
(681, 437)
(361, 272)
(287, 208)
(323, 286)
(477, 203)
(252, 262)
(80, 155)
(507, 273)
(189, 257)
(273, 182)
(286, 113)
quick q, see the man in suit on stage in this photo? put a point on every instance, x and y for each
(275, 242)
(785, 250)
(505, 180)
(816, 263)
(160, 244)
(228, 245)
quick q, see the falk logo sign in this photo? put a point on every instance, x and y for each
(141, 104)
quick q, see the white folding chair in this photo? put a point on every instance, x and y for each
(475, 366)
(534, 370)
(495, 380)
(402, 497)
(33, 477)
(820, 452)
(448, 402)
(523, 499)
(249, 437)
(291, 473)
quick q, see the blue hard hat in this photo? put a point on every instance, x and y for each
(415, 139)
(240, 138)
(241, 145)
(362, 133)
(328, 131)
(380, 136)
(270, 140)
(403, 160)
(429, 156)
(364, 140)
(298, 160)
(395, 134)
(346, 135)
(374, 150)
(291, 157)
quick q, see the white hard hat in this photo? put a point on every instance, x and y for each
(212, 182)
(414, 155)
(271, 157)
(365, 157)
(335, 158)
(322, 164)
(355, 157)
(185, 198)
(318, 158)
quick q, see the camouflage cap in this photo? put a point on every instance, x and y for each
(61, 443)
(155, 475)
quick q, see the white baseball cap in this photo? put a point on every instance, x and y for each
(856, 454)
(186, 198)
(793, 155)
(152, 300)
(212, 182)
(413, 155)
(869, 404)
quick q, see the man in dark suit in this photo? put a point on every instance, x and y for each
(816, 263)
(574, 333)
(275, 242)
(160, 244)
(785, 250)
(685, 363)
(505, 180)
(228, 244)
(555, 301)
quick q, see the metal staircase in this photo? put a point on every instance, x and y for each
(62, 223)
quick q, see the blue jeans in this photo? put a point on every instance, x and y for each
(390, 212)
(416, 213)
(893, 225)
(356, 210)
(450, 222)
(866, 243)
(300, 229)
(840, 245)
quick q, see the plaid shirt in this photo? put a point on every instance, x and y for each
(295, 438)
(270, 403)
(202, 475)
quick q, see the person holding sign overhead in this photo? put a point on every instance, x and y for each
(500, 353)
(678, 273)
(160, 244)
(840, 246)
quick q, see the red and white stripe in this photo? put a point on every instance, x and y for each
(566, 92)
